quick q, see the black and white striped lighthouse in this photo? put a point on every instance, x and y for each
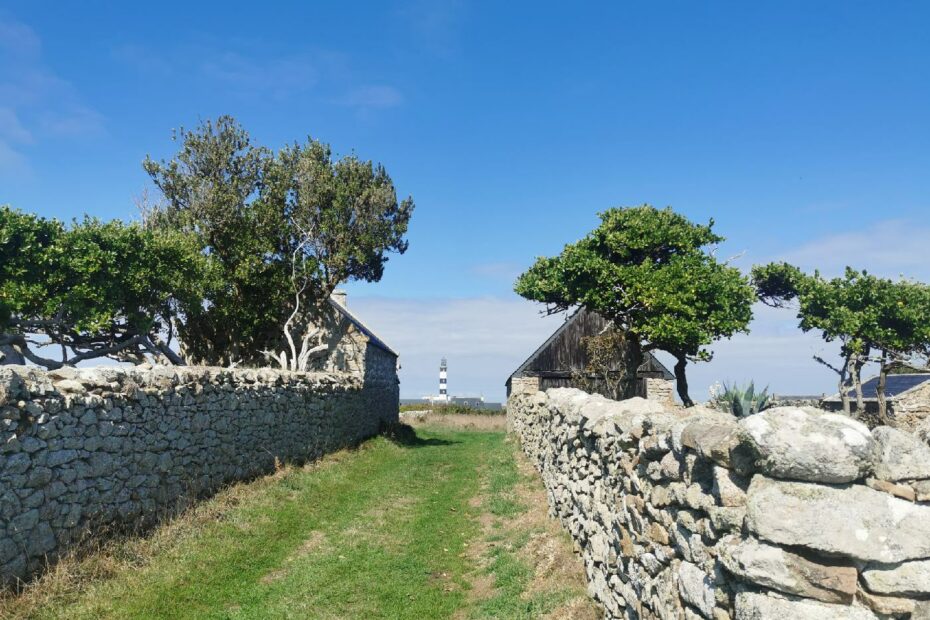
(443, 376)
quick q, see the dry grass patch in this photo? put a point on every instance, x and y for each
(526, 566)
(459, 421)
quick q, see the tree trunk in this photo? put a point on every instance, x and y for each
(858, 361)
(681, 381)
(880, 390)
(634, 361)
(844, 386)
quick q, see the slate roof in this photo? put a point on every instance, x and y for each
(895, 385)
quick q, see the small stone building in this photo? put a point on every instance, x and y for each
(560, 359)
(908, 397)
(354, 347)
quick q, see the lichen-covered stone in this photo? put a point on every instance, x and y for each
(696, 588)
(907, 578)
(900, 455)
(799, 444)
(761, 606)
(780, 569)
(729, 487)
(855, 521)
(12, 387)
(712, 437)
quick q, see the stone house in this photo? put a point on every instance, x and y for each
(354, 348)
(559, 360)
(908, 397)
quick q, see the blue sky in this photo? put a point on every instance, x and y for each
(801, 127)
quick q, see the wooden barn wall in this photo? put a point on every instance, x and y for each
(566, 351)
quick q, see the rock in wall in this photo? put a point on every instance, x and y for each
(793, 513)
(86, 449)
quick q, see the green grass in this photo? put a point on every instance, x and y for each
(512, 573)
(503, 478)
(380, 532)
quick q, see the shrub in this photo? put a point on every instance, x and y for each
(742, 401)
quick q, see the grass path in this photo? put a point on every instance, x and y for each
(449, 524)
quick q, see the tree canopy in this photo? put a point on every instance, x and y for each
(240, 258)
(284, 230)
(650, 272)
(94, 288)
(873, 318)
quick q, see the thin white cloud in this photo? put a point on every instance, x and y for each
(37, 104)
(279, 77)
(247, 69)
(373, 96)
(483, 338)
(78, 121)
(500, 271)
(12, 129)
(18, 39)
(142, 59)
(434, 24)
(890, 248)
(12, 162)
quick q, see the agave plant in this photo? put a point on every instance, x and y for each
(746, 401)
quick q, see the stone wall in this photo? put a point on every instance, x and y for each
(524, 385)
(793, 513)
(911, 410)
(82, 450)
(660, 390)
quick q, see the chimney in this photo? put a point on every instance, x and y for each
(339, 296)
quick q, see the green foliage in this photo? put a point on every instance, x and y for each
(846, 308)
(94, 286)
(648, 271)
(25, 256)
(743, 401)
(866, 314)
(284, 231)
(778, 283)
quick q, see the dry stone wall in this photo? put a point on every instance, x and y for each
(793, 513)
(911, 410)
(82, 450)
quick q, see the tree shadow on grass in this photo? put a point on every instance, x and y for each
(405, 435)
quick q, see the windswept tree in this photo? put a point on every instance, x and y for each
(651, 273)
(340, 218)
(873, 319)
(901, 333)
(841, 309)
(93, 289)
(284, 230)
(211, 190)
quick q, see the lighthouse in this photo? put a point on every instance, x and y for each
(443, 386)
